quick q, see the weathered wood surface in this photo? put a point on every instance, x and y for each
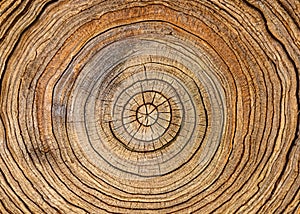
(149, 106)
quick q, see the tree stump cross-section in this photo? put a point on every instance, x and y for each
(187, 106)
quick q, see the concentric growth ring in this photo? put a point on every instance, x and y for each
(147, 115)
(144, 110)
(146, 118)
(130, 106)
(149, 120)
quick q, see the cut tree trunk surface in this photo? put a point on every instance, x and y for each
(149, 106)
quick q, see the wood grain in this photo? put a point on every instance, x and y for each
(149, 106)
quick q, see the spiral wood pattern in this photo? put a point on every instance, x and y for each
(149, 106)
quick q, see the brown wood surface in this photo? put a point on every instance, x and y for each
(186, 106)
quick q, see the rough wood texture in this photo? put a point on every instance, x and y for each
(149, 106)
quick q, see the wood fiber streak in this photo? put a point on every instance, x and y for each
(149, 106)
